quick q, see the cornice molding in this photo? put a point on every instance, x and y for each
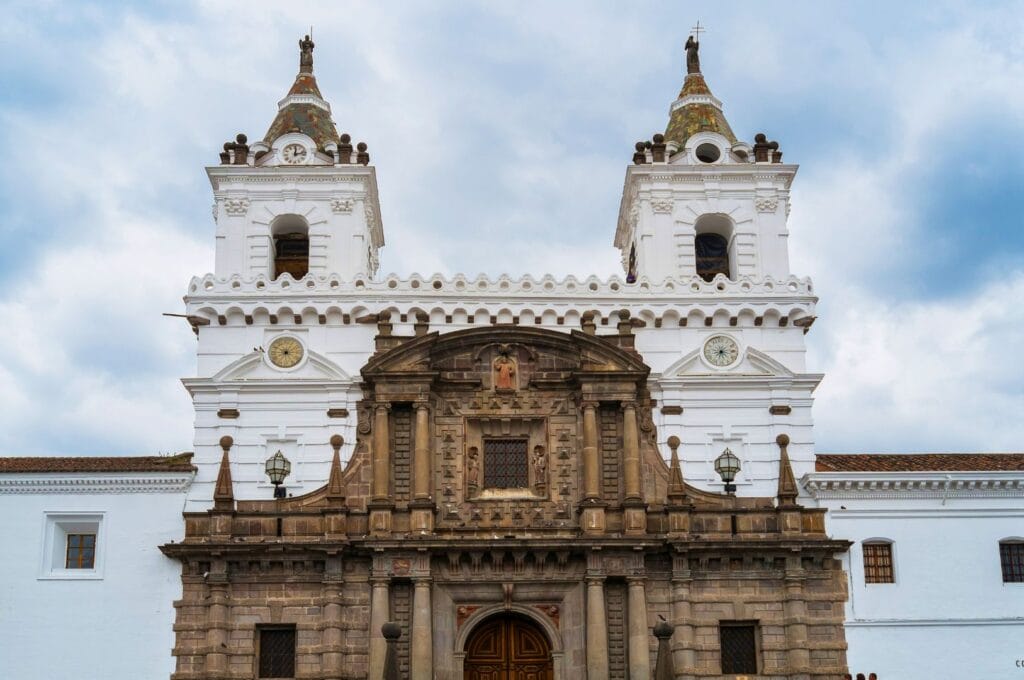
(65, 483)
(895, 485)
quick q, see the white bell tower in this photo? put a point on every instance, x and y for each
(302, 200)
(699, 202)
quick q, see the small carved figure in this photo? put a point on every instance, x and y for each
(692, 58)
(504, 372)
(540, 466)
(473, 467)
(306, 55)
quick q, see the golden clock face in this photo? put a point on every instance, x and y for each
(285, 352)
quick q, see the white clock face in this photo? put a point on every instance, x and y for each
(721, 351)
(294, 153)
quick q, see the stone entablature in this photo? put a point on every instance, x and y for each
(95, 483)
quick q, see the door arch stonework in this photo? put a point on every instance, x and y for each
(508, 647)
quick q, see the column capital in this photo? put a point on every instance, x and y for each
(628, 404)
(589, 404)
(593, 578)
(382, 405)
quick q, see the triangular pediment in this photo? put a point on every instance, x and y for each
(753, 362)
(253, 366)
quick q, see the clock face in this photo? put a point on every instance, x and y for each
(294, 153)
(285, 352)
(721, 351)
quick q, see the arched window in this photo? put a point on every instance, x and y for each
(878, 562)
(291, 246)
(712, 252)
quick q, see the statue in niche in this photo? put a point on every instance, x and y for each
(540, 466)
(692, 58)
(473, 468)
(504, 370)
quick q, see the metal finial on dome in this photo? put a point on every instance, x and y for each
(306, 55)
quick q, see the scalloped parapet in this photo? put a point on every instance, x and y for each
(544, 301)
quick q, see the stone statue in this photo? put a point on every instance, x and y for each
(504, 372)
(473, 467)
(692, 58)
(306, 55)
(540, 466)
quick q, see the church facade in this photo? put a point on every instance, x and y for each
(483, 462)
(523, 475)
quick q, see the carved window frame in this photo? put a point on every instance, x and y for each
(532, 428)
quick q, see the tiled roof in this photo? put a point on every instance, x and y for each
(919, 462)
(686, 121)
(181, 462)
(309, 119)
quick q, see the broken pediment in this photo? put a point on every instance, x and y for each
(254, 366)
(753, 362)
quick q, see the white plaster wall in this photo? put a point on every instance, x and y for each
(949, 614)
(114, 628)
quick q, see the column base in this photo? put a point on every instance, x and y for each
(592, 518)
(380, 517)
(421, 517)
(634, 519)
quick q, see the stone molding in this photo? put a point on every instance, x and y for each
(844, 485)
(93, 484)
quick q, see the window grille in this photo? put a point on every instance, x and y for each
(739, 647)
(81, 551)
(1011, 556)
(878, 563)
(277, 652)
(506, 464)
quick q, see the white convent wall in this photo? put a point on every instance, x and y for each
(118, 626)
(948, 614)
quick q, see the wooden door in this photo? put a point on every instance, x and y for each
(508, 649)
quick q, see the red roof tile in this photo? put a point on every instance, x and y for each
(181, 462)
(919, 462)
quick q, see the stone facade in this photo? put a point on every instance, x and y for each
(591, 563)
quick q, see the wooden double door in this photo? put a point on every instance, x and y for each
(508, 648)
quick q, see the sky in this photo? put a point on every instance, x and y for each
(513, 123)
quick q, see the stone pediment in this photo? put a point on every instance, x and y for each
(462, 351)
(753, 363)
(253, 366)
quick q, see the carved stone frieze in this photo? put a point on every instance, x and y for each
(342, 205)
(236, 206)
(766, 204)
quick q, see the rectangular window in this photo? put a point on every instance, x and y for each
(505, 464)
(277, 652)
(739, 647)
(1011, 555)
(878, 563)
(81, 551)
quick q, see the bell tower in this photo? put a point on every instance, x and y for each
(700, 202)
(303, 200)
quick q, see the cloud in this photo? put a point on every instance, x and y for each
(500, 136)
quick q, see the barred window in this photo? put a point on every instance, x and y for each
(739, 647)
(506, 464)
(81, 551)
(277, 652)
(1011, 556)
(878, 566)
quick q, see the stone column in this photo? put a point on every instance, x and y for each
(379, 612)
(217, 634)
(631, 451)
(591, 460)
(332, 636)
(597, 630)
(421, 454)
(639, 649)
(683, 651)
(795, 610)
(421, 654)
(381, 454)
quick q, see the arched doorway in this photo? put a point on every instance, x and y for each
(508, 648)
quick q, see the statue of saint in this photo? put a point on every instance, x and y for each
(540, 466)
(473, 467)
(504, 373)
(692, 58)
(306, 55)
